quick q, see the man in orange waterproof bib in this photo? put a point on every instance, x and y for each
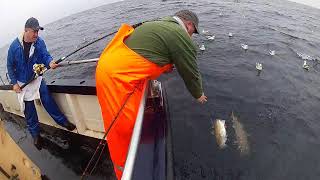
(131, 58)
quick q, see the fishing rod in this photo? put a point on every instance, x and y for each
(79, 62)
(75, 51)
(35, 75)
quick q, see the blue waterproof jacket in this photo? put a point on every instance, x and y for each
(20, 69)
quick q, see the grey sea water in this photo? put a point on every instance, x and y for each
(278, 109)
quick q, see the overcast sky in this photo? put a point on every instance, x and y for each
(14, 13)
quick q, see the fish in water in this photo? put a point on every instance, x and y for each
(220, 133)
(241, 135)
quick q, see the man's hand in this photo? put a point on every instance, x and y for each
(16, 88)
(202, 99)
(53, 64)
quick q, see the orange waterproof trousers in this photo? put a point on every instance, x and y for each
(121, 73)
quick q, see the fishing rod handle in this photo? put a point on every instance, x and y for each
(60, 60)
(28, 82)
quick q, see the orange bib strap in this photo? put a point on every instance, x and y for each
(121, 71)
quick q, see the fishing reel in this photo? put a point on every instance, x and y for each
(39, 69)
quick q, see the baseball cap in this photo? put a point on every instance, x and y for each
(189, 16)
(33, 23)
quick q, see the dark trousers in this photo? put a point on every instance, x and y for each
(50, 106)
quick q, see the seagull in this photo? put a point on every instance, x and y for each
(259, 66)
(230, 34)
(305, 65)
(272, 52)
(244, 46)
(210, 37)
(202, 48)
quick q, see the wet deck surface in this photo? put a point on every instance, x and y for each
(64, 155)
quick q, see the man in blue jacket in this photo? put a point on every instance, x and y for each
(23, 53)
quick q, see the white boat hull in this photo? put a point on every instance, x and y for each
(82, 110)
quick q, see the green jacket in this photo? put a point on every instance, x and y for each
(166, 42)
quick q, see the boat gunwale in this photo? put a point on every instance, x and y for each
(69, 86)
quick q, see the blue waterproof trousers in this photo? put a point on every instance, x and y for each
(50, 106)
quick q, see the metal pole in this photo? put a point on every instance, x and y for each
(135, 139)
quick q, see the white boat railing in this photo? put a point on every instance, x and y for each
(135, 138)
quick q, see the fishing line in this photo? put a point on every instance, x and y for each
(211, 116)
(95, 165)
(102, 142)
(206, 104)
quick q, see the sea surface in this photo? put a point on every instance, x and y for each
(277, 111)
